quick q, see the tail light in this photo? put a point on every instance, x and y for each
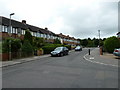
(116, 51)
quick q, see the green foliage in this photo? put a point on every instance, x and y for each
(68, 46)
(90, 43)
(50, 47)
(28, 37)
(96, 42)
(27, 47)
(0, 46)
(84, 42)
(111, 43)
(57, 41)
(11, 44)
(38, 42)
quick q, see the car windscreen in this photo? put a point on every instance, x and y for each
(77, 47)
(58, 49)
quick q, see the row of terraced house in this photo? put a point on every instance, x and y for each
(18, 31)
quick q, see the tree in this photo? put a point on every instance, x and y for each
(57, 41)
(111, 43)
(15, 45)
(38, 42)
(84, 42)
(96, 42)
(28, 37)
(27, 48)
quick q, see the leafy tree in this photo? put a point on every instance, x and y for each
(96, 42)
(27, 48)
(57, 41)
(90, 43)
(38, 42)
(84, 42)
(111, 43)
(14, 43)
(28, 37)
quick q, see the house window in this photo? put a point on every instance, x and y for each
(0, 28)
(32, 33)
(14, 31)
(3, 28)
(23, 32)
(42, 35)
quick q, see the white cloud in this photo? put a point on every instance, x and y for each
(78, 18)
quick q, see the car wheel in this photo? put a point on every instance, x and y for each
(61, 54)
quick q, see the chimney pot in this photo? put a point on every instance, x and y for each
(24, 21)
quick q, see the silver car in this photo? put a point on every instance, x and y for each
(117, 52)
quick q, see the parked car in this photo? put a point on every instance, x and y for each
(78, 48)
(60, 51)
(117, 52)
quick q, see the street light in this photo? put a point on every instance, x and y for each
(99, 37)
(10, 34)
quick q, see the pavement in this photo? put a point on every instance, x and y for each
(105, 59)
(23, 60)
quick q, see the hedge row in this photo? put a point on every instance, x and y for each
(50, 47)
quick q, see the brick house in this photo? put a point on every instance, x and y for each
(67, 40)
(18, 31)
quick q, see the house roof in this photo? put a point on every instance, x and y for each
(118, 33)
(66, 37)
(17, 24)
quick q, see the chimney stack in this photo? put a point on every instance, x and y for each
(46, 28)
(24, 21)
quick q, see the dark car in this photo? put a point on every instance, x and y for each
(60, 51)
(78, 48)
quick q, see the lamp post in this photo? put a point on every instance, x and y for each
(10, 34)
(99, 37)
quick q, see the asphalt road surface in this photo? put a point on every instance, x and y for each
(70, 71)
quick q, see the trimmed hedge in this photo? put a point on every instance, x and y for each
(50, 47)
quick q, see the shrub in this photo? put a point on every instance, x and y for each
(68, 46)
(27, 48)
(38, 42)
(50, 47)
(111, 43)
(57, 41)
(14, 43)
(28, 37)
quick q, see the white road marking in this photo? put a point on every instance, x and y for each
(98, 62)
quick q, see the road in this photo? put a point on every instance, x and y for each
(70, 71)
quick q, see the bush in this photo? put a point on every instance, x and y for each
(28, 37)
(111, 43)
(38, 42)
(50, 47)
(27, 48)
(57, 41)
(68, 46)
(15, 45)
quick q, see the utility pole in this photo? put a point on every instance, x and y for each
(99, 37)
(10, 34)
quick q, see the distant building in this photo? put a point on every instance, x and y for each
(18, 31)
(67, 40)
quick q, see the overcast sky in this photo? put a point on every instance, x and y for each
(77, 18)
